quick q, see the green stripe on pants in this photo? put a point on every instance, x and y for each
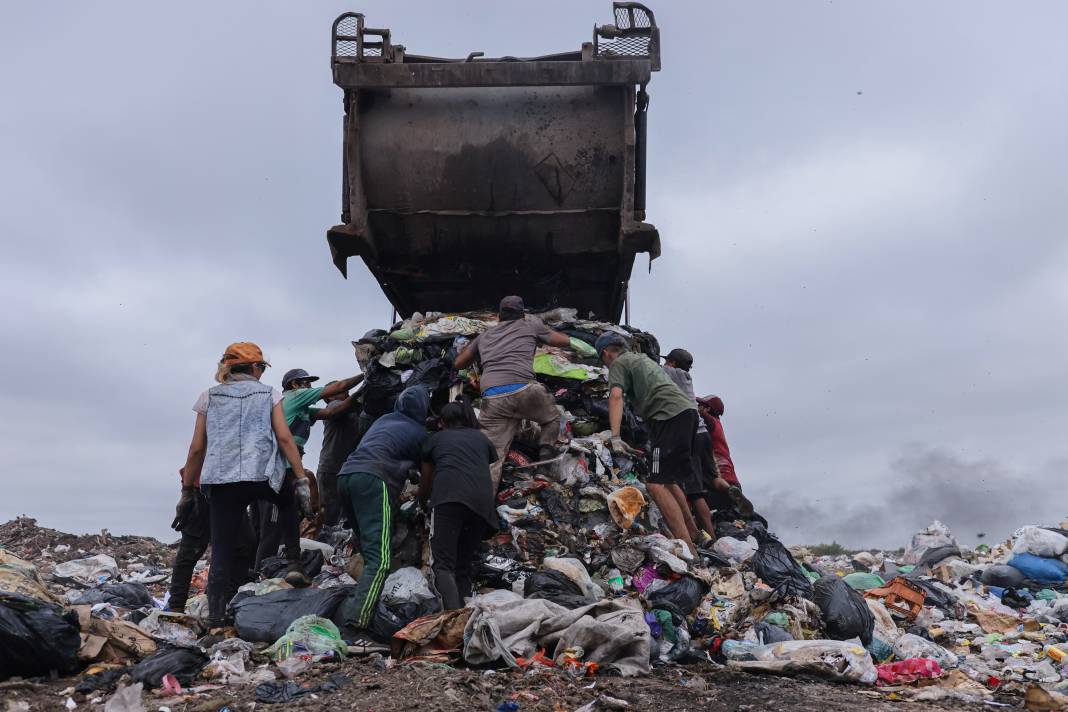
(374, 517)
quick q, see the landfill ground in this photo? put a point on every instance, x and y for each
(433, 686)
(377, 683)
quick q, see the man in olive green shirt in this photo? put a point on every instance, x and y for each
(671, 418)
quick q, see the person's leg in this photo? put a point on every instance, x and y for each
(500, 425)
(537, 405)
(371, 506)
(191, 548)
(269, 538)
(668, 505)
(327, 480)
(446, 523)
(227, 505)
(702, 513)
(287, 526)
(466, 548)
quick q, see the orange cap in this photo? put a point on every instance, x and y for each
(242, 352)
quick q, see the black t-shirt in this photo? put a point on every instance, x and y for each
(340, 437)
(461, 459)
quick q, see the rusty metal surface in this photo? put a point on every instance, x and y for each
(469, 179)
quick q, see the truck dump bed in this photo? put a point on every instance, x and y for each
(468, 179)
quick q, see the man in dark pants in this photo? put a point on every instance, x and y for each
(457, 487)
(195, 527)
(369, 484)
(341, 435)
(671, 418)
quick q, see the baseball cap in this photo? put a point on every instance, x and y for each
(680, 356)
(609, 338)
(512, 304)
(242, 352)
(297, 374)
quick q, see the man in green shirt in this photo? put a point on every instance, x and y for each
(298, 399)
(671, 418)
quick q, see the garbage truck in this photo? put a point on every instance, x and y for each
(467, 179)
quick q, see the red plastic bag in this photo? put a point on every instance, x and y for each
(904, 671)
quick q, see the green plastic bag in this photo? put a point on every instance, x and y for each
(309, 635)
(864, 581)
(553, 365)
(1046, 594)
(582, 348)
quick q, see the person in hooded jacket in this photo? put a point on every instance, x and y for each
(369, 484)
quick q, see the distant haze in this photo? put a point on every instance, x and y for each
(862, 207)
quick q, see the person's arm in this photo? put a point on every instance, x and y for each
(466, 357)
(343, 386)
(426, 483)
(615, 410)
(286, 443)
(198, 448)
(335, 409)
(555, 338)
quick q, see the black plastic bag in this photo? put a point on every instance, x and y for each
(124, 595)
(680, 597)
(105, 681)
(931, 558)
(776, 567)
(631, 427)
(36, 637)
(388, 619)
(264, 619)
(381, 388)
(311, 562)
(845, 614)
(1002, 576)
(771, 633)
(432, 373)
(183, 663)
(556, 587)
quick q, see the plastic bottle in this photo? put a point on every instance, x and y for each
(615, 581)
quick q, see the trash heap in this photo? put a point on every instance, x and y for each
(582, 579)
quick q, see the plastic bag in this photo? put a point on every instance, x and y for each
(845, 614)
(625, 504)
(124, 595)
(311, 562)
(913, 646)
(92, 570)
(768, 633)
(776, 567)
(735, 550)
(864, 581)
(936, 535)
(1040, 569)
(681, 597)
(906, 671)
(832, 659)
(309, 635)
(265, 619)
(574, 570)
(36, 637)
(183, 663)
(556, 587)
(406, 585)
(1039, 541)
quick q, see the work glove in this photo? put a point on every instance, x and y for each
(618, 447)
(302, 490)
(186, 509)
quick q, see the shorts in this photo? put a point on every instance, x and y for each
(671, 451)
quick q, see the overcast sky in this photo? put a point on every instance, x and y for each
(862, 208)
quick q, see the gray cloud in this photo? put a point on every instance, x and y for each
(856, 272)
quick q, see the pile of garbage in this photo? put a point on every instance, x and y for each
(582, 578)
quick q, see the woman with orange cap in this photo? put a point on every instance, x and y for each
(238, 453)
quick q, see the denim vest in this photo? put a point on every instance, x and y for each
(241, 442)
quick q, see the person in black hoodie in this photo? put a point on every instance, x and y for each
(369, 484)
(457, 487)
